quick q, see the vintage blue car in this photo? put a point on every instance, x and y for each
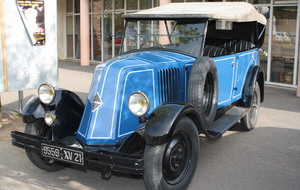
(185, 69)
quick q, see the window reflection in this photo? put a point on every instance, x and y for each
(283, 44)
(259, 1)
(265, 10)
(119, 28)
(132, 4)
(107, 36)
(69, 36)
(96, 40)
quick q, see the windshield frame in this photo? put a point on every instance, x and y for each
(199, 42)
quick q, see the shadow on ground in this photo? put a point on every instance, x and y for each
(268, 156)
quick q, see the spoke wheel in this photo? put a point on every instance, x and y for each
(249, 121)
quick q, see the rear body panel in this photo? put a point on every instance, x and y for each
(232, 72)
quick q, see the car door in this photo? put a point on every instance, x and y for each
(226, 74)
(244, 60)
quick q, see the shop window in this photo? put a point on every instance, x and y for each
(156, 3)
(177, 1)
(132, 4)
(265, 10)
(77, 36)
(70, 36)
(107, 4)
(77, 6)
(145, 4)
(119, 4)
(259, 1)
(69, 6)
(107, 36)
(96, 6)
(283, 44)
(96, 39)
(119, 29)
(235, 0)
(193, 0)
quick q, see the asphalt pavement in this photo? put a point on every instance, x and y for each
(266, 158)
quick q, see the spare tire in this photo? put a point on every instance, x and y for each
(203, 88)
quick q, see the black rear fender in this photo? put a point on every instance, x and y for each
(255, 74)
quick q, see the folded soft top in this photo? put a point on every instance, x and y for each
(225, 11)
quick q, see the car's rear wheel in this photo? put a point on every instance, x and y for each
(39, 128)
(249, 121)
(203, 89)
(172, 165)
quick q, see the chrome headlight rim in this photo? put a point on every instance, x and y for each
(146, 102)
(46, 93)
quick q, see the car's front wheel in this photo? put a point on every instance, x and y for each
(172, 165)
(40, 128)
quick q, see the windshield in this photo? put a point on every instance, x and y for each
(183, 36)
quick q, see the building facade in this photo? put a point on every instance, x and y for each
(106, 26)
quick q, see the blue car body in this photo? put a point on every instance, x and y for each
(147, 71)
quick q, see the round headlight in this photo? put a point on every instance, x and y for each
(138, 104)
(46, 93)
(49, 118)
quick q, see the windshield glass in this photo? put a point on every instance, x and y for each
(183, 36)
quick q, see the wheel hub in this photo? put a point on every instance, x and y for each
(176, 159)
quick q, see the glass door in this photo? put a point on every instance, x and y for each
(284, 24)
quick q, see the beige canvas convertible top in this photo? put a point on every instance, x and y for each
(225, 11)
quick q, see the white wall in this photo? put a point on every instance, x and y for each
(28, 66)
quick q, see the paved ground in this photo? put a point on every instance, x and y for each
(266, 158)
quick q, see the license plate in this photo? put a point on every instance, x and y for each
(60, 153)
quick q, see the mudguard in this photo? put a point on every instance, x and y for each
(33, 110)
(160, 124)
(67, 107)
(256, 73)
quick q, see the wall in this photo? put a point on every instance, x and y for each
(27, 65)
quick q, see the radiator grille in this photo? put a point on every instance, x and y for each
(169, 85)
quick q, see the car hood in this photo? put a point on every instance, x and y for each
(107, 119)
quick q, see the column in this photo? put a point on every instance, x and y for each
(297, 48)
(164, 2)
(162, 27)
(298, 87)
(84, 33)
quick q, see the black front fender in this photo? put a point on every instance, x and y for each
(67, 107)
(160, 124)
(33, 110)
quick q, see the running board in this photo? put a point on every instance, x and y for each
(230, 118)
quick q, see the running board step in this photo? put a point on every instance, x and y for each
(225, 122)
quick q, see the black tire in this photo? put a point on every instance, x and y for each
(171, 166)
(203, 89)
(249, 121)
(39, 128)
